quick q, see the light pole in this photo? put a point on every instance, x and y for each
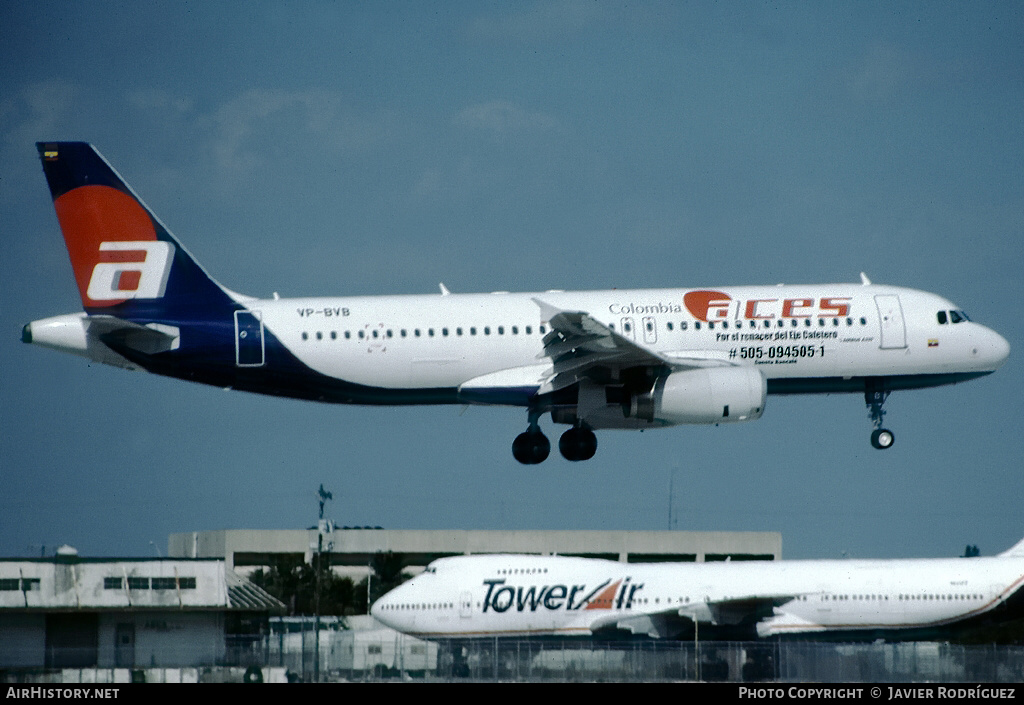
(322, 527)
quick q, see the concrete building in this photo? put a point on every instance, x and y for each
(352, 549)
(76, 612)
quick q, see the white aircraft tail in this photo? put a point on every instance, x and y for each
(1014, 551)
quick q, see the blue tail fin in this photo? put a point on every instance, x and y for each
(126, 262)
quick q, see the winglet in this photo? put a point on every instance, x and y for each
(864, 279)
(444, 289)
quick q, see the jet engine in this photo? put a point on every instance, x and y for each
(702, 396)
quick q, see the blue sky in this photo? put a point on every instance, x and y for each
(371, 148)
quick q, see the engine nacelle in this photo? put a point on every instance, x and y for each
(705, 395)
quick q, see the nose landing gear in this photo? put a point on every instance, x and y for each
(874, 397)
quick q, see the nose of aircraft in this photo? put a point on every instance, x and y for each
(991, 348)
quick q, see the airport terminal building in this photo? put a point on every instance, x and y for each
(352, 549)
(73, 612)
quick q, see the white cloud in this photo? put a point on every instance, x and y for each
(503, 117)
(542, 21)
(36, 112)
(883, 72)
(242, 124)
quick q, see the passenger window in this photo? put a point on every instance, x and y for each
(348, 335)
(305, 336)
(319, 335)
(529, 330)
(669, 325)
(682, 326)
(542, 330)
(696, 325)
(362, 335)
(515, 330)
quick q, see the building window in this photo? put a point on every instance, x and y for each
(138, 583)
(113, 583)
(163, 584)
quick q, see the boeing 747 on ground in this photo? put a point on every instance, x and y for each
(522, 595)
(619, 359)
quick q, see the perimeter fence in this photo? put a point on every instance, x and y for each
(376, 656)
(346, 656)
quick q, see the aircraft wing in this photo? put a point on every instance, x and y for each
(740, 611)
(579, 346)
(736, 610)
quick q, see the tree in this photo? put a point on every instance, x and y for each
(294, 583)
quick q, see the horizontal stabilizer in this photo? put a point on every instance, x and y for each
(101, 338)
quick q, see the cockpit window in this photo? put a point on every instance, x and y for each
(954, 317)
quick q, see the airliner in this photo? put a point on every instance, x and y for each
(618, 359)
(554, 596)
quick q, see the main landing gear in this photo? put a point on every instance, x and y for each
(578, 443)
(532, 446)
(874, 397)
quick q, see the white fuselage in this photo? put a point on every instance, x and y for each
(813, 331)
(519, 595)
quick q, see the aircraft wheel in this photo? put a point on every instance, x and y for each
(882, 439)
(531, 448)
(578, 444)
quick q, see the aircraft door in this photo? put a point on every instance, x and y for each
(249, 349)
(650, 330)
(890, 320)
(628, 328)
(465, 604)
